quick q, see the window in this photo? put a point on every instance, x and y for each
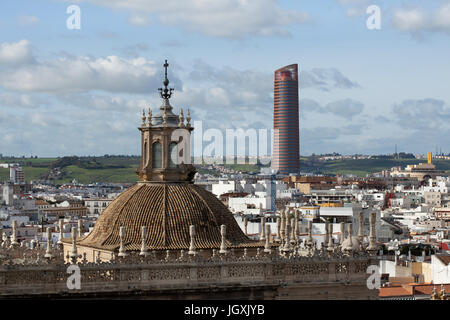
(157, 155)
(173, 155)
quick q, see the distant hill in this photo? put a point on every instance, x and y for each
(121, 169)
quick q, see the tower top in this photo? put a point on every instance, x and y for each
(165, 93)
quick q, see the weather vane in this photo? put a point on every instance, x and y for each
(167, 92)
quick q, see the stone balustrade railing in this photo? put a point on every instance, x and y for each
(134, 272)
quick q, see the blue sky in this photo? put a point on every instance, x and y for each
(65, 92)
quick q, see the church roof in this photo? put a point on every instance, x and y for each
(167, 210)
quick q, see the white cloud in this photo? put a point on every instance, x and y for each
(417, 20)
(19, 100)
(325, 79)
(346, 108)
(410, 20)
(139, 20)
(76, 74)
(27, 20)
(355, 7)
(15, 53)
(218, 18)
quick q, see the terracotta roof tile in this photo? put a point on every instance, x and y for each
(167, 210)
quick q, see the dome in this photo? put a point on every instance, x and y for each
(167, 210)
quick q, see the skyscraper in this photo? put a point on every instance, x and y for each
(286, 146)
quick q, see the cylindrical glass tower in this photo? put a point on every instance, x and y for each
(286, 146)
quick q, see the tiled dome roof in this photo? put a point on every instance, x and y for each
(167, 210)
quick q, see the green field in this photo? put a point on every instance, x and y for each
(121, 169)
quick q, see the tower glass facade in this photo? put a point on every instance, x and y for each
(286, 147)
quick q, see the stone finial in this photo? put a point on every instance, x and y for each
(327, 233)
(14, 241)
(267, 247)
(296, 214)
(122, 250)
(309, 240)
(277, 237)
(287, 242)
(144, 124)
(144, 250)
(181, 118)
(61, 231)
(223, 244)
(262, 235)
(360, 227)
(80, 228)
(372, 236)
(74, 254)
(167, 255)
(342, 232)
(293, 237)
(245, 225)
(188, 119)
(192, 244)
(48, 252)
(283, 225)
(330, 238)
(149, 118)
(348, 245)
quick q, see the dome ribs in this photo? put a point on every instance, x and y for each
(167, 210)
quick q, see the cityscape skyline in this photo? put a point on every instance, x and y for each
(89, 85)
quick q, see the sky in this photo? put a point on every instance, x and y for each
(81, 91)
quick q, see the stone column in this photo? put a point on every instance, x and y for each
(80, 228)
(293, 237)
(310, 239)
(14, 242)
(122, 251)
(330, 239)
(74, 254)
(349, 245)
(192, 244)
(342, 233)
(373, 236)
(360, 228)
(262, 233)
(48, 252)
(267, 248)
(223, 244)
(61, 234)
(296, 225)
(287, 241)
(283, 226)
(245, 226)
(278, 236)
(325, 242)
(144, 250)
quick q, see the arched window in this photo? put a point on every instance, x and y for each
(156, 155)
(173, 155)
(144, 152)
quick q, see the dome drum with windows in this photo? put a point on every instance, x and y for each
(165, 200)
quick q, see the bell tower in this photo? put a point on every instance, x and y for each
(165, 142)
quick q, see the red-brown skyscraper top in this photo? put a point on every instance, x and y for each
(286, 146)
